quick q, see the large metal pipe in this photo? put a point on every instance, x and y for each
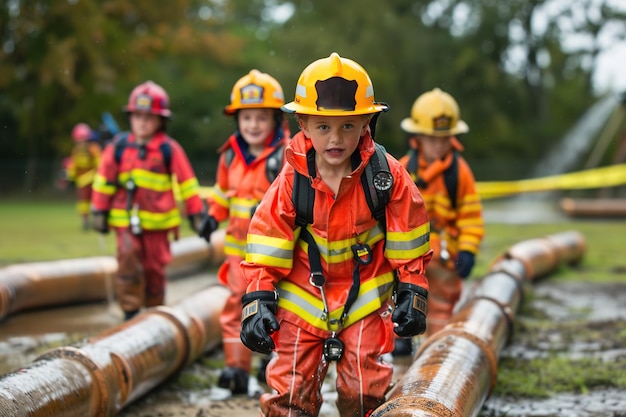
(455, 369)
(47, 284)
(597, 207)
(118, 366)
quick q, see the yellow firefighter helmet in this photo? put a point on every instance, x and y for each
(255, 90)
(334, 86)
(435, 113)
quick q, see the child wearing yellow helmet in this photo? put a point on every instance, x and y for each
(447, 183)
(320, 289)
(249, 161)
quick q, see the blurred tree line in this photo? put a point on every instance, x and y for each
(518, 83)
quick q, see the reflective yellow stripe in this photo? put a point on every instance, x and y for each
(234, 246)
(341, 250)
(86, 178)
(372, 294)
(219, 196)
(147, 180)
(408, 245)
(101, 185)
(189, 188)
(149, 220)
(242, 207)
(270, 251)
(83, 207)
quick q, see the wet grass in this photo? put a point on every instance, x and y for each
(561, 356)
(46, 230)
(603, 260)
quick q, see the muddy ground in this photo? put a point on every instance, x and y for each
(568, 322)
(582, 306)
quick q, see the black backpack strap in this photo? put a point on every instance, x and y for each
(376, 199)
(303, 194)
(229, 155)
(451, 178)
(166, 151)
(121, 143)
(274, 163)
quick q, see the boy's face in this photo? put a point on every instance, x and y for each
(255, 125)
(144, 124)
(434, 147)
(334, 138)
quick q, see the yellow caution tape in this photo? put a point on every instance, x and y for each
(592, 178)
(610, 176)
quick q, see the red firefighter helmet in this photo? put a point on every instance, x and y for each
(150, 97)
(81, 132)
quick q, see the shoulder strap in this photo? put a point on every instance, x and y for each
(376, 199)
(274, 163)
(451, 178)
(303, 196)
(166, 151)
(229, 155)
(121, 143)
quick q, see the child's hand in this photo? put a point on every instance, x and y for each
(464, 263)
(409, 317)
(258, 321)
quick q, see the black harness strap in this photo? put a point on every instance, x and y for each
(303, 198)
(450, 175)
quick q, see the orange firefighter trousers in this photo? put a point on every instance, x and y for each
(298, 370)
(236, 355)
(443, 293)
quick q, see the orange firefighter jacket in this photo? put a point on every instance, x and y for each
(83, 163)
(461, 227)
(153, 199)
(277, 259)
(240, 185)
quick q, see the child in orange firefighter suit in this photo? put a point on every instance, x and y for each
(133, 194)
(249, 162)
(321, 291)
(82, 167)
(454, 208)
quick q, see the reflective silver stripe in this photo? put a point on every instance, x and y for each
(271, 251)
(370, 237)
(363, 299)
(408, 245)
(284, 294)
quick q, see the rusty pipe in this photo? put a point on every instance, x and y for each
(598, 207)
(455, 369)
(118, 366)
(46, 284)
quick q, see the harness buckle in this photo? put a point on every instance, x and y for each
(316, 279)
(362, 253)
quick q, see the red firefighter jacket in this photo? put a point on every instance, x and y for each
(461, 227)
(241, 182)
(153, 198)
(277, 258)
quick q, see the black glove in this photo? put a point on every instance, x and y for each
(410, 312)
(207, 226)
(100, 220)
(464, 263)
(258, 320)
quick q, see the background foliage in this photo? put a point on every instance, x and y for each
(520, 86)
